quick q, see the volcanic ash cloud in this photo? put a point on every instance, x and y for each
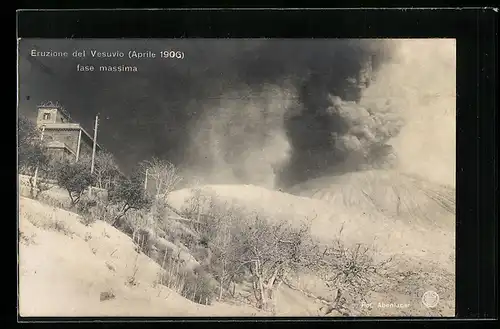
(242, 139)
(420, 84)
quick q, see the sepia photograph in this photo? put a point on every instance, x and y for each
(236, 177)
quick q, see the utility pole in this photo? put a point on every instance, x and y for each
(36, 169)
(79, 143)
(93, 150)
(95, 143)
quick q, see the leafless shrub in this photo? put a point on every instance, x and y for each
(271, 251)
(160, 178)
(107, 295)
(85, 204)
(415, 279)
(213, 223)
(132, 280)
(54, 202)
(27, 240)
(106, 170)
(84, 209)
(39, 185)
(196, 286)
(206, 213)
(102, 209)
(199, 201)
(163, 176)
(199, 288)
(88, 237)
(172, 275)
(352, 272)
(156, 216)
(52, 224)
(56, 225)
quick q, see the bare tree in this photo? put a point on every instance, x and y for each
(163, 177)
(162, 174)
(105, 169)
(271, 251)
(222, 222)
(351, 272)
(214, 223)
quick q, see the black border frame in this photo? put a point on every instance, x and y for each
(475, 31)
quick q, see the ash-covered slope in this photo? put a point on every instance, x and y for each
(398, 213)
(389, 193)
(65, 266)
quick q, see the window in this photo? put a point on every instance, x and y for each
(46, 116)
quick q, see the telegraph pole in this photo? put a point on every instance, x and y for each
(95, 143)
(93, 150)
(79, 143)
(36, 169)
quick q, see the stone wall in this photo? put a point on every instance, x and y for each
(60, 154)
(68, 137)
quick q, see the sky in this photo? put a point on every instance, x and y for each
(252, 111)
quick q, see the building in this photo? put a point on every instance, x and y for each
(64, 138)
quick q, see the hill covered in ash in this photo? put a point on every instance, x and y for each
(403, 217)
(386, 192)
(398, 213)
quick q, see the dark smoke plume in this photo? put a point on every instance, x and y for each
(267, 112)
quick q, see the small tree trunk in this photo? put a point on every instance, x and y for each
(32, 190)
(270, 283)
(255, 290)
(273, 298)
(117, 218)
(71, 198)
(262, 294)
(233, 291)
(164, 258)
(336, 302)
(194, 293)
(222, 279)
(220, 290)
